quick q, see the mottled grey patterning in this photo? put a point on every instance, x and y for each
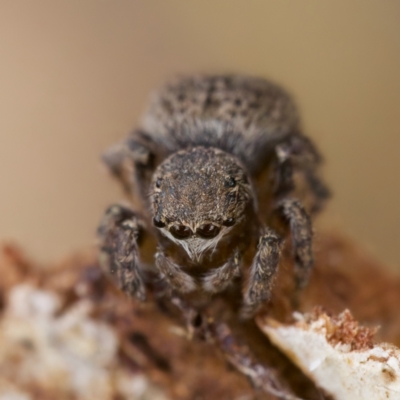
(242, 115)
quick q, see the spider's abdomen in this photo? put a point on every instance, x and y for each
(242, 115)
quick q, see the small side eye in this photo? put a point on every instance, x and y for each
(157, 222)
(230, 181)
(158, 183)
(208, 231)
(180, 231)
(229, 222)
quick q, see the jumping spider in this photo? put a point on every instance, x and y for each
(214, 160)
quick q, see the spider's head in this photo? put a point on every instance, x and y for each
(198, 196)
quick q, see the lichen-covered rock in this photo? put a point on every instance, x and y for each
(47, 354)
(339, 355)
(67, 333)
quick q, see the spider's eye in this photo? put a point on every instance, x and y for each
(180, 231)
(229, 222)
(158, 183)
(230, 181)
(157, 222)
(208, 231)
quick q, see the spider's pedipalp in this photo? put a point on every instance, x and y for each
(173, 274)
(220, 278)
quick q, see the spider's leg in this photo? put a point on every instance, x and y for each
(318, 188)
(179, 281)
(301, 230)
(220, 278)
(119, 251)
(262, 272)
(130, 160)
(283, 171)
(299, 154)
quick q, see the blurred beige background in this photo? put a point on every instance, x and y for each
(75, 75)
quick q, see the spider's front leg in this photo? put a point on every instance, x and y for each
(262, 272)
(301, 230)
(119, 232)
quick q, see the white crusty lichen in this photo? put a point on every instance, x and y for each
(47, 351)
(339, 355)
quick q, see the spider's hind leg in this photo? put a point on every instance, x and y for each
(119, 232)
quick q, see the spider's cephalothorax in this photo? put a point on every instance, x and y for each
(213, 160)
(197, 196)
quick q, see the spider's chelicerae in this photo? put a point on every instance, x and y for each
(215, 161)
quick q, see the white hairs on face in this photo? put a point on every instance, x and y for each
(195, 246)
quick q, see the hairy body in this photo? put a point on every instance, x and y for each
(215, 158)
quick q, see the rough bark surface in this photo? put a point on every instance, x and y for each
(67, 333)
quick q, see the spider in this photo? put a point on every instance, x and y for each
(215, 161)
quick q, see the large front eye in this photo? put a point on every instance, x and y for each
(229, 222)
(157, 222)
(208, 231)
(180, 231)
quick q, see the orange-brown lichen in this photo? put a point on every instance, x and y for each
(343, 329)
